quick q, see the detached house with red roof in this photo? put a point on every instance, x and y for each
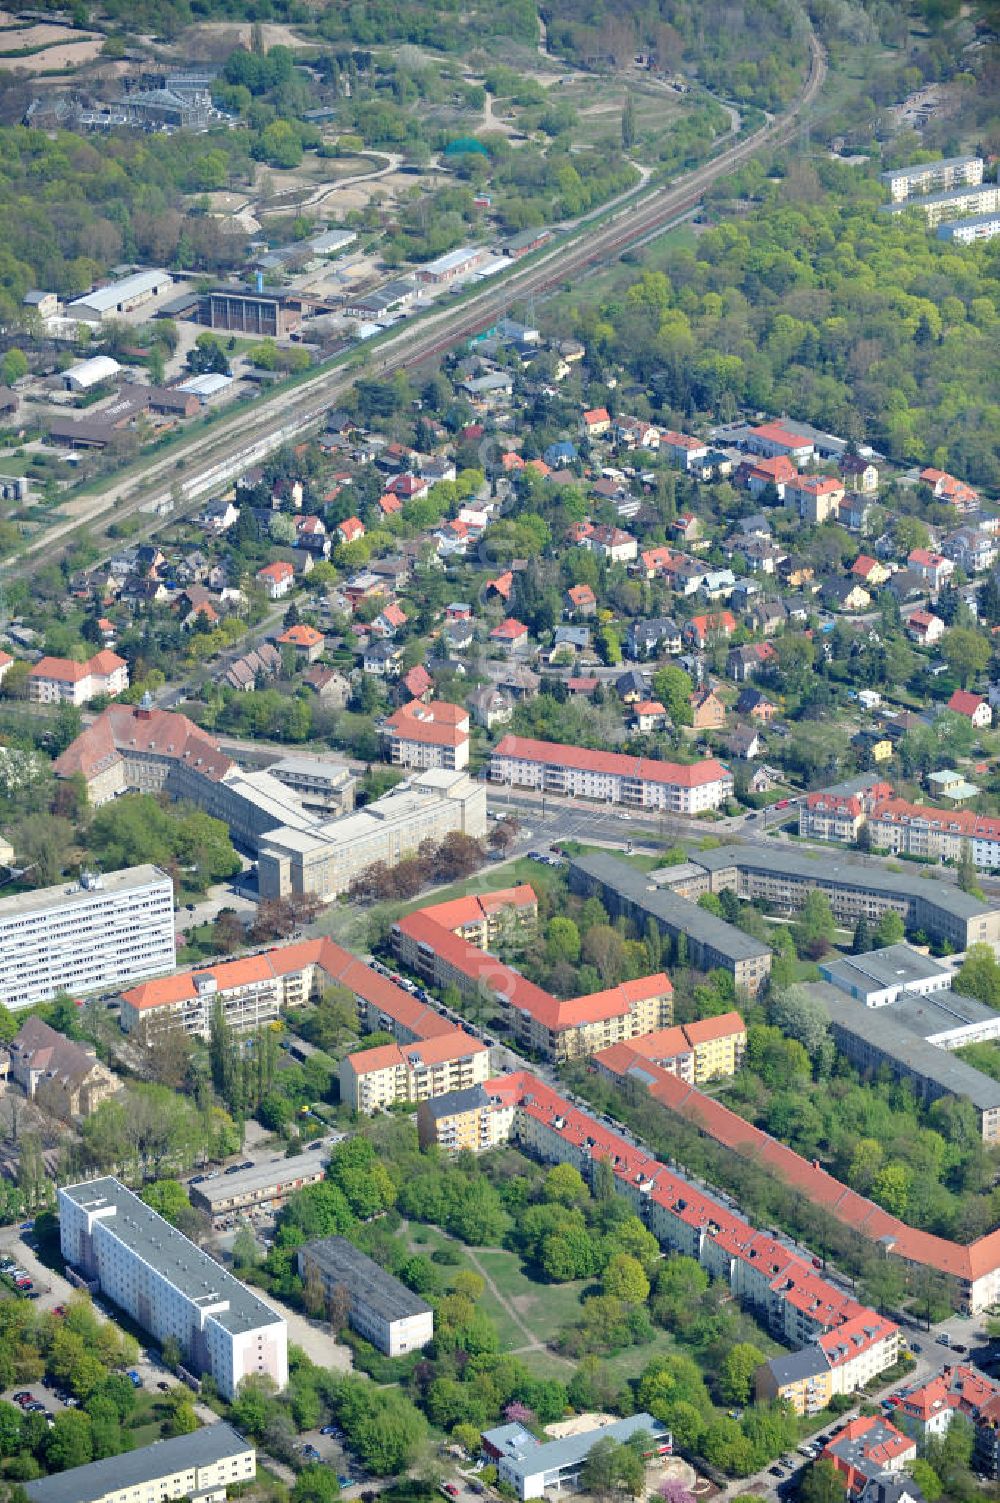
(946, 488)
(62, 681)
(277, 579)
(758, 474)
(511, 635)
(973, 707)
(428, 735)
(350, 530)
(595, 422)
(713, 627)
(581, 600)
(870, 571)
(390, 619)
(304, 639)
(925, 628)
(611, 543)
(933, 567)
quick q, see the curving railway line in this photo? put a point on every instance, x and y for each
(209, 461)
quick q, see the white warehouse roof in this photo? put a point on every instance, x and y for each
(106, 299)
(88, 373)
(208, 385)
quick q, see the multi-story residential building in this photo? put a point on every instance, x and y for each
(65, 1078)
(373, 1079)
(472, 1120)
(933, 567)
(686, 453)
(815, 498)
(610, 777)
(784, 878)
(708, 941)
(777, 441)
(203, 1465)
(169, 1287)
(487, 918)
(76, 937)
(906, 829)
(925, 1410)
(325, 857)
(704, 1050)
(970, 231)
(945, 487)
(265, 1187)
(838, 813)
(379, 1307)
(865, 1448)
(559, 1029)
(958, 203)
(932, 177)
(61, 681)
(848, 1343)
(428, 735)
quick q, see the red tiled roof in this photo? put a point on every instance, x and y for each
(644, 769)
(963, 702)
(301, 635)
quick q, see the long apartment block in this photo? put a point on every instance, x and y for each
(203, 1465)
(101, 932)
(610, 777)
(710, 942)
(169, 1287)
(840, 1342)
(553, 1027)
(932, 177)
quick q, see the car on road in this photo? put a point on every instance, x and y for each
(134, 1378)
(776, 1471)
(915, 1346)
(163, 1387)
(246, 1164)
(234, 1168)
(944, 1339)
(23, 1395)
(345, 1481)
(449, 1489)
(310, 1452)
(957, 1346)
(34, 1407)
(329, 1430)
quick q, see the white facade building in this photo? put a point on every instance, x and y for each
(968, 231)
(382, 1310)
(610, 777)
(169, 1287)
(203, 1465)
(102, 931)
(932, 177)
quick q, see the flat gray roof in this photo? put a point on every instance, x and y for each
(790, 1367)
(528, 1456)
(678, 913)
(65, 894)
(272, 1175)
(920, 167)
(895, 965)
(91, 1483)
(368, 1283)
(174, 1257)
(886, 1030)
(832, 868)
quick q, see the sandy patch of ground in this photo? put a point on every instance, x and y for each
(70, 55)
(41, 35)
(579, 1424)
(235, 34)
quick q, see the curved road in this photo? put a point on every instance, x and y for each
(210, 460)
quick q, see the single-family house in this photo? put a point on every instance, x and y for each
(744, 743)
(972, 549)
(973, 707)
(350, 530)
(859, 473)
(933, 567)
(304, 640)
(390, 619)
(744, 663)
(708, 713)
(871, 572)
(854, 512)
(685, 453)
(767, 617)
(581, 600)
(712, 627)
(845, 595)
(276, 578)
(595, 422)
(631, 687)
(329, 685)
(925, 628)
(611, 543)
(648, 638)
(756, 706)
(648, 715)
(953, 492)
(490, 706)
(383, 659)
(512, 635)
(758, 474)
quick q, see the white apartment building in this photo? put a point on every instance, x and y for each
(969, 231)
(932, 177)
(168, 1286)
(62, 681)
(202, 1465)
(431, 735)
(609, 777)
(103, 931)
(962, 203)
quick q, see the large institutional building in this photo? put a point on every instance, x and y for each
(103, 931)
(273, 814)
(169, 1287)
(636, 782)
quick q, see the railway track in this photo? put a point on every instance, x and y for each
(210, 461)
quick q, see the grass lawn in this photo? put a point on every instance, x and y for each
(145, 1423)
